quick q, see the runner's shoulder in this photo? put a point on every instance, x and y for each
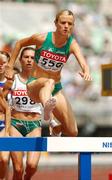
(39, 37)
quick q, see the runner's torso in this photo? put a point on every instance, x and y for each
(50, 59)
(22, 106)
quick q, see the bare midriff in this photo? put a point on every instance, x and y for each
(28, 116)
(39, 72)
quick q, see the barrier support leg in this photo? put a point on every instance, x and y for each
(84, 166)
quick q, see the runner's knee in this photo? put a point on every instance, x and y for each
(50, 83)
(3, 167)
(4, 161)
(18, 170)
(73, 132)
(31, 168)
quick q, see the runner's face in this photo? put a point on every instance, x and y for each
(27, 60)
(3, 63)
(65, 24)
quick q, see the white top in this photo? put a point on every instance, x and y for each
(19, 99)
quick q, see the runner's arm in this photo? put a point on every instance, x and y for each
(32, 40)
(75, 49)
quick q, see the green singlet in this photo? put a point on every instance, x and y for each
(51, 58)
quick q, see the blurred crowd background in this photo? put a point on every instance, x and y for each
(92, 30)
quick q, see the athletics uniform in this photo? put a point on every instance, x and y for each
(51, 58)
(2, 122)
(22, 103)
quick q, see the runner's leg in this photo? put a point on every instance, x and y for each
(63, 112)
(32, 157)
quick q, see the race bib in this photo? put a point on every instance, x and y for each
(21, 99)
(51, 61)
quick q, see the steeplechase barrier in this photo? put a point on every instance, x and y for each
(85, 146)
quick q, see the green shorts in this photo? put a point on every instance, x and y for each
(25, 127)
(57, 88)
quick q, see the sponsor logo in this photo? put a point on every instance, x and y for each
(19, 93)
(107, 144)
(53, 56)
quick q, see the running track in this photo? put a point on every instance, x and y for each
(98, 173)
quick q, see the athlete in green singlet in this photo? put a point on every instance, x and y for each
(53, 50)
